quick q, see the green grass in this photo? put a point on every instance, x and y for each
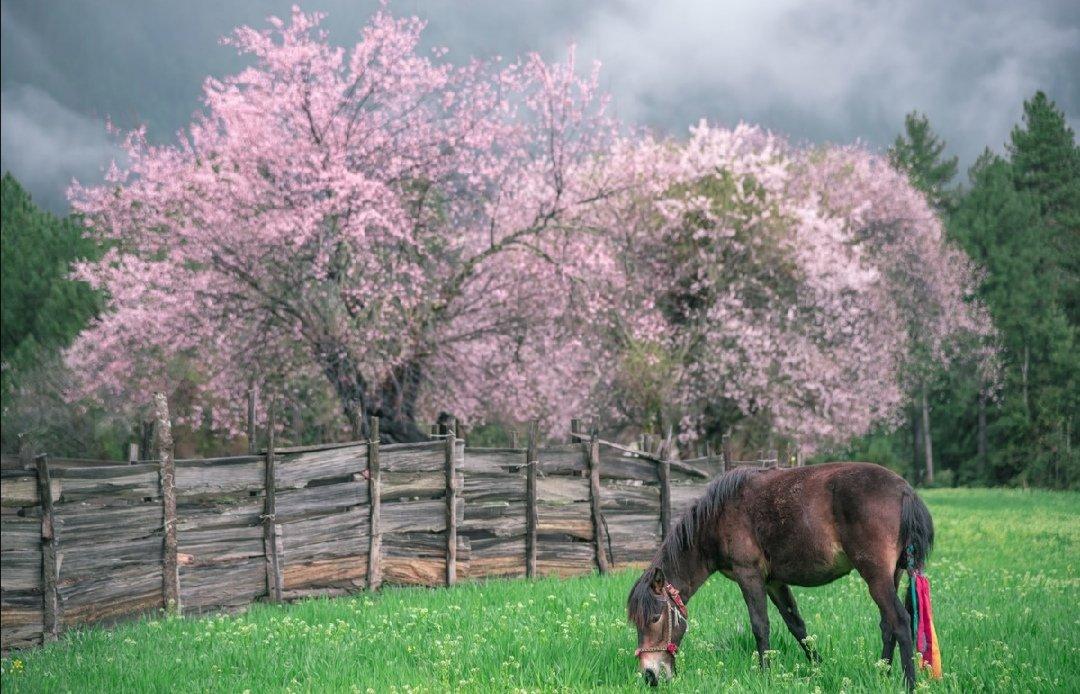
(1006, 595)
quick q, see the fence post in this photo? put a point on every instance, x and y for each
(665, 497)
(593, 450)
(133, 453)
(725, 451)
(575, 430)
(374, 572)
(251, 418)
(50, 600)
(170, 566)
(450, 446)
(273, 541)
(531, 462)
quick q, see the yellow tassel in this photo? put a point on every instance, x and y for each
(935, 652)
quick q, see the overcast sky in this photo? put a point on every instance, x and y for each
(817, 70)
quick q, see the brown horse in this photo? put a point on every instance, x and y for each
(771, 529)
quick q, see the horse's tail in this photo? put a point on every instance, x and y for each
(916, 530)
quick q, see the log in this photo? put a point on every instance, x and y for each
(220, 477)
(413, 457)
(230, 585)
(273, 547)
(295, 504)
(665, 499)
(599, 536)
(531, 519)
(374, 569)
(50, 613)
(170, 568)
(298, 470)
(451, 502)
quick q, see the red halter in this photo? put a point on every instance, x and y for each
(674, 605)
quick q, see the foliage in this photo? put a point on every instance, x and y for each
(918, 152)
(1003, 574)
(42, 308)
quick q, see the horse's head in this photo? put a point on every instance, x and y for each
(658, 612)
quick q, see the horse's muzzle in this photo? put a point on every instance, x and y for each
(650, 677)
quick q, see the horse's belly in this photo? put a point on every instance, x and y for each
(830, 565)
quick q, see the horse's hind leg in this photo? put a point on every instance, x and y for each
(896, 625)
(780, 594)
(888, 639)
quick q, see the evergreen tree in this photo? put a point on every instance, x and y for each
(1046, 163)
(918, 152)
(42, 308)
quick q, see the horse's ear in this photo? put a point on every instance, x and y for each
(658, 580)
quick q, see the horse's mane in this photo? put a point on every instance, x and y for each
(642, 604)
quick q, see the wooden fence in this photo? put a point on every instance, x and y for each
(92, 542)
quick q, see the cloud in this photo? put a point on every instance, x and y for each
(838, 70)
(45, 145)
(817, 70)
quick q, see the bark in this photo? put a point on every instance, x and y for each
(984, 467)
(1024, 378)
(928, 444)
(916, 439)
(397, 403)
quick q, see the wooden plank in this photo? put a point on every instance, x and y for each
(374, 568)
(665, 498)
(294, 504)
(557, 489)
(273, 547)
(19, 533)
(221, 545)
(500, 486)
(295, 470)
(94, 522)
(115, 482)
(21, 489)
(21, 570)
(563, 558)
(83, 560)
(498, 518)
(616, 464)
(50, 611)
(599, 537)
(531, 522)
(496, 557)
(408, 485)
(419, 558)
(628, 497)
(229, 585)
(220, 477)
(330, 574)
(573, 520)
(413, 457)
(561, 460)
(220, 513)
(427, 516)
(170, 568)
(493, 460)
(451, 503)
(324, 537)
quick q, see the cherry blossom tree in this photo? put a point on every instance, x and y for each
(796, 285)
(377, 219)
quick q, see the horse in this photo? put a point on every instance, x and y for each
(769, 529)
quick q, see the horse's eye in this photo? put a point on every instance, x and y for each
(655, 619)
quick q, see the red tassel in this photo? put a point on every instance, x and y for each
(926, 637)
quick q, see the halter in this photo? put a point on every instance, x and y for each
(676, 609)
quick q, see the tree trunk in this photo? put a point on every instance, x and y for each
(984, 467)
(928, 444)
(344, 375)
(916, 438)
(1024, 379)
(397, 403)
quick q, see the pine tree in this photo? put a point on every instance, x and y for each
(42, 309)
(1046, 163)
(917, 152)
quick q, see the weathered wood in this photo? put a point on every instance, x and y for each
(137, 481)
(616, 496)
(20, 533)
(20, 488)
(297, 470)
(273, 548)
(413, 457)
(93, 521)
(21, 570)
(324, 537)
(133, 453)
(665, 498)
(228, 585)
(451, 502)
(497, 518)
(251, 418)
(294, 504)
(556, 489)
(242, 474)
(599, 537)
(374, 568)
(50, 629)
(420, 558)
(427, 516)
(531, 523)
(170, 568)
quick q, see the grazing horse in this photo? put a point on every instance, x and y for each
(771, 529)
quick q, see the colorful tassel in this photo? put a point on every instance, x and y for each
(922, 623)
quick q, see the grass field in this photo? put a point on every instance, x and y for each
(1005, 573)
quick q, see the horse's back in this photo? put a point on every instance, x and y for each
(814, 524)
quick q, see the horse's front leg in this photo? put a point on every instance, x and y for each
(752, 585)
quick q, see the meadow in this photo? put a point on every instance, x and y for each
(1005, 575)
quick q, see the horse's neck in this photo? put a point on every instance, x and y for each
(687, 573)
